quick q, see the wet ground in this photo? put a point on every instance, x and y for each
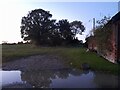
(51, 72)
(36, 63)
(58, 79)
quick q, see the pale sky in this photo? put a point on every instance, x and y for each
(12, 12)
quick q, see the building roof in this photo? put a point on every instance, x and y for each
(116, 17)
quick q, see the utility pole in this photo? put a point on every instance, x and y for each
(93, 24)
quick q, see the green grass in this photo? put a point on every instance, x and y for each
(76, 56)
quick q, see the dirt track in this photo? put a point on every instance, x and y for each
(38, 62)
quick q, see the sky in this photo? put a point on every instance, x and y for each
(12, 12)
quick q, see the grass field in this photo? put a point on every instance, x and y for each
(76, 56)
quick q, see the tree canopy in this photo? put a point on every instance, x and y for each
(39, 28)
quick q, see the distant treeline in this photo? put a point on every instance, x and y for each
(80, 44)
(5, 43)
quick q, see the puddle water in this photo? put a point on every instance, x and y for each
(9, 77)
(57, 79)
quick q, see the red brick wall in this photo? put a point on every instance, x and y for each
(114, 53)
(111, 55)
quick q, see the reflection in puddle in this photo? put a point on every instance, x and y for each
(81, 81)
(9, 77)
(57, 79)
(12, 79)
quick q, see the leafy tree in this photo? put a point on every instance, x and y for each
(64, 30)
(36, 26)
(77, 27)
(68, 31)
(101, 23)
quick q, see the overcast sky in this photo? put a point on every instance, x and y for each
(12, 12)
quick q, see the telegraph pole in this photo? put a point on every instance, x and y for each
(93, 24)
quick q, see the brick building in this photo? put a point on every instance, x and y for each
(113, 55)
(116, 29)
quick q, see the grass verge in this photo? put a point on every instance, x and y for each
(73, 56)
